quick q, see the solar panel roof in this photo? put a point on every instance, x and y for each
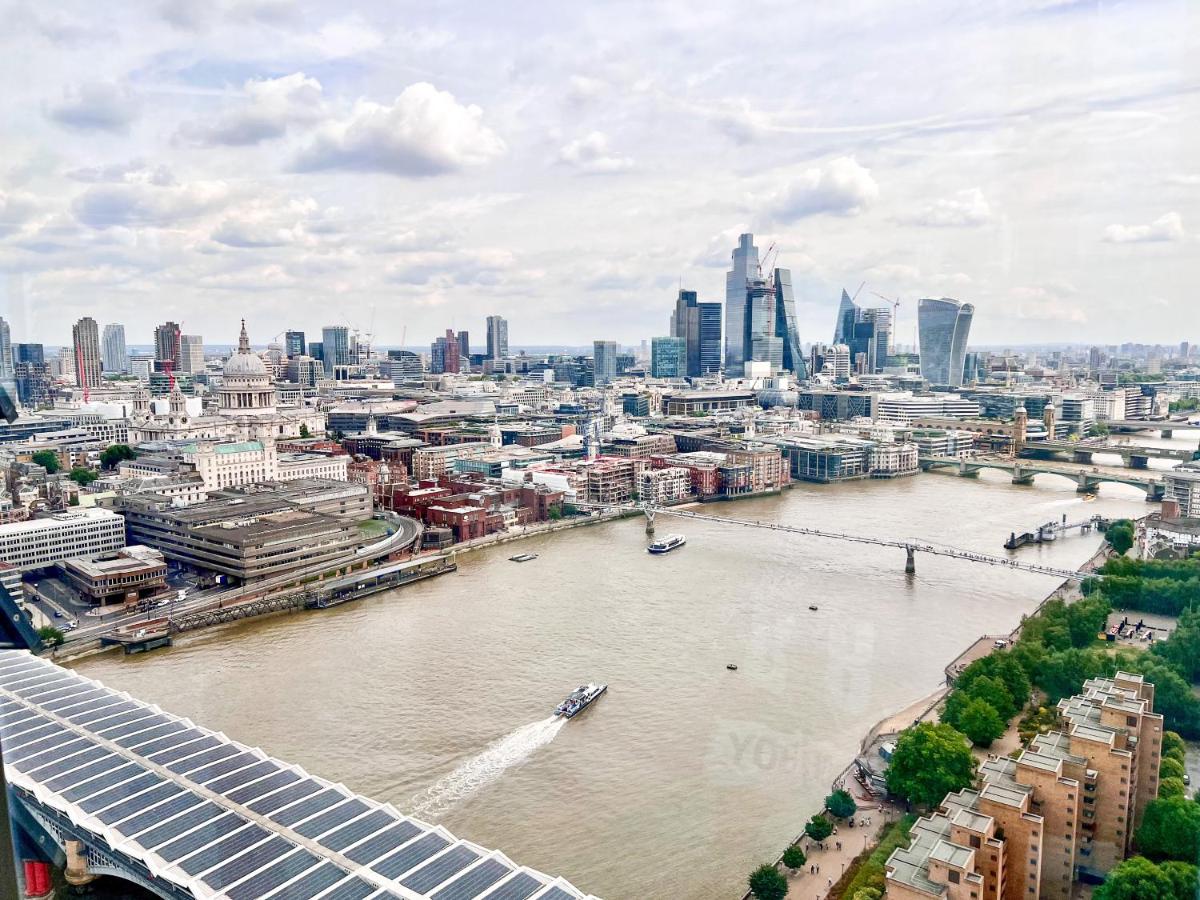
(219, 819)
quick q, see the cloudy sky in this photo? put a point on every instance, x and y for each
(421, 165)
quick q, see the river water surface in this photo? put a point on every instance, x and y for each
(437, 697)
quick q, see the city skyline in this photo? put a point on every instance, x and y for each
(278, 161)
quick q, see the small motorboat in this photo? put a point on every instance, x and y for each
(732, 667)
(523, 557)
(813, 607)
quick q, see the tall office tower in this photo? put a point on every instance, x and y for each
(29, 353)
(317, 351)
(866, 332)
(31, 374)
(668, 357)
(335, 346)
(85, 338)
(191, 353)
(699, 324)
(6, 356)
(464, 348)
(445, 354)
(604, 362)
(166, 345)
(113, 353)
(497, 337)
(942, 328)
(759, 342)
(737, 279)
(785, 324)
(293, 344)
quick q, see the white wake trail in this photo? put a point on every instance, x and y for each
(481, 770)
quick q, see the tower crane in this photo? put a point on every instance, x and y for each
(895, 302)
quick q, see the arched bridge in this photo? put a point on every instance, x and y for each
(1023, 471)
(119, 787)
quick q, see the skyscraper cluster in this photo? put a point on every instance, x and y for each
(866, 333)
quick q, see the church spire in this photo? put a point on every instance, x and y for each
(243, 340)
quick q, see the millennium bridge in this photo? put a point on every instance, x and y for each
(109, 785)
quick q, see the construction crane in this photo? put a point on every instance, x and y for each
(765, 265)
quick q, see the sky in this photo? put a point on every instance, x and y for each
(404, 168)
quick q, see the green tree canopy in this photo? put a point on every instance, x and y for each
(1171, 768)
(83, 476)
(818, 828)
(304, 431)
(1182, 651)
(111, 456)
(981, 723)
(1138, 878)
(1120, 535)
(1170, 830)
(1172, 787)
(1173, 746)
(50, 636)
(793, 857)
(768, 883)
(47, 459)
(993, 692)
(841, 804)
(930, 761)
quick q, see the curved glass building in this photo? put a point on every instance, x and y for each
(943, 326)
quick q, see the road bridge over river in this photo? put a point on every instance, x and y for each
(1024, 471)
(114, 786)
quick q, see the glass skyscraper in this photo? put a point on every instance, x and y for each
(699, 325)
(113, 352)
(668, 357)
(745, 267)
(293, 344)
(785, 324)
(335, 347)
(497, 337)
(942, 327)
(866, 332)
(604, 362)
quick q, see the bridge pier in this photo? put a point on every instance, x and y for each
(1083, 457)
(966, 471)
(910, 564)
(1084, 484)
(649, 521)
(1020, 476)
(1167, 433)
(1137, 462)
(1155, 491)
(77, 873)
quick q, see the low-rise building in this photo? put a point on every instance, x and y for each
(890, 459)
(430, 463)
(122, 576)
(669, 484)
(689, 403)
(1181, 486)
(79, 533)
(826, 459)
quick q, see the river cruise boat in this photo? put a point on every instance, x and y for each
(580, 699)
(667, 544)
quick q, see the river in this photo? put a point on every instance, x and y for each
(436, 697)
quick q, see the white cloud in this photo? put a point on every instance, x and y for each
(99, 106)
(965, 209)
(1168, 227)
(424, 132)
(842, 187)
(441, 270)
(1050, 302)
(591, 154)
(16, 210)
(273, 105)
(268, 224)
(584, 89)
(742, 122)
(145, 204)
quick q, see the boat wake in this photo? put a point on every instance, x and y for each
(480, 771)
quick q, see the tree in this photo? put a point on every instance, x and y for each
(1172, 787)
(83, 476)
(1182, 649)
(1139, 879)
(768, 883)
(112, 456)
(818, 827)
(930, 762)
(1170, 829)
(1171, 768)
(51, 636)
(304, 431)
(794, 858)
(981, 723)
(47, 459)
(841, 804)
(1120, 535)
(993, 692)
(867, 893)
(1173, 747)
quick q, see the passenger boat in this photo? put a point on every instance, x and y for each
(667, 544)
(523, 557)
(732, 667)
(580, 699)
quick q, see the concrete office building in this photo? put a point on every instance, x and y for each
(6, 350)
(943, 327)
(123, 576)
(84, 533)
(85, 337)
(191, 353)
(497, 337)
(167, 350)
(604, 360)
(114, 356)
(1182, 487)
(445, 354)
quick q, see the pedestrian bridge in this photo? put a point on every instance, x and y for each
(140, 794)
(1024, 471)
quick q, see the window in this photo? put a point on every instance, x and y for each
(953, 876)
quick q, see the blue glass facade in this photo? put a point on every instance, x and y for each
(943, 326)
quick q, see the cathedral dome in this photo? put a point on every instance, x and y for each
(245, 361)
